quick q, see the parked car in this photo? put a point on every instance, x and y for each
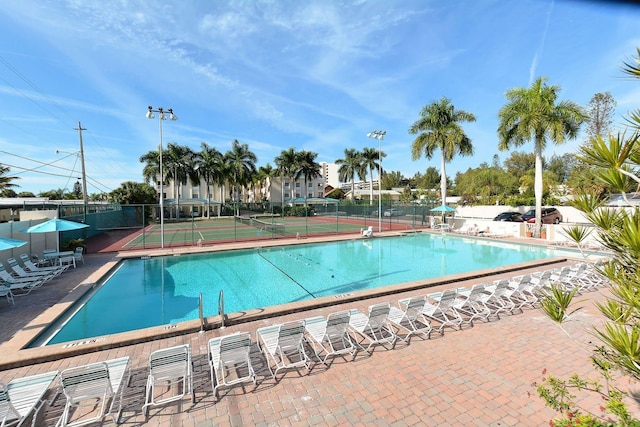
(393, 212)
(549, 216)
(509, 216)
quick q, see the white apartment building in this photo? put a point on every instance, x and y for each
(196, 195)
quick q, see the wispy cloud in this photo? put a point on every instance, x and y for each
(534, 63)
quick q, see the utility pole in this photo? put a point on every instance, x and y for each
(84, 175)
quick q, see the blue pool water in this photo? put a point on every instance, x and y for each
(164, 290)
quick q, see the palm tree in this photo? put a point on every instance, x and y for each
(151, 169)
(5, 181)
(266, 174)
(210, 167)
(242, 165)
(371, 158)
(307, 168)
(350, 166)
(439, 128)
(285, 165)
(532, 113)
(180, 167)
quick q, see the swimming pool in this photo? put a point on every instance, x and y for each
(163, 290)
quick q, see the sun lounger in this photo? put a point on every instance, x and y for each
(23, 398)
(93, 386)
(373, 327)
(501, 297)
(6, 292)
(441, 307)
(21, 273)
(474, 302)
(31, 267)
(368, 232)
(284, 346)
(410, 318)
(330, 336)
(230, 361)
(169, 366)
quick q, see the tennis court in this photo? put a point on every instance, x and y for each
(230, 229)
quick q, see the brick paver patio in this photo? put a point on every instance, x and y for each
(483, 375)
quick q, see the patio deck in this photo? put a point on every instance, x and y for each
(483, 375)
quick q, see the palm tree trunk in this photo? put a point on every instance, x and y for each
(443, 180)
(371, 186)
(537, 186)
(353, 188)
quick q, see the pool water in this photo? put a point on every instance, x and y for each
(164, 290)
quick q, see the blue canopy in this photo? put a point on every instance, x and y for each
(443, 208)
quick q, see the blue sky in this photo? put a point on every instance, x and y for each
(314, 75)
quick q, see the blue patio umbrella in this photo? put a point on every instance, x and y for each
(55, 225)
(6, 243)
(443, 208)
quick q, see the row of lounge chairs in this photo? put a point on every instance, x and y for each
(20, 280)
(285, 346)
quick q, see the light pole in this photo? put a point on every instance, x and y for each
(80, 154)
(379, 135)
(161, 116)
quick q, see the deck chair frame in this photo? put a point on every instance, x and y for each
(330, 336)
(373, 327)
(230, 353)
(166, 366)
(410, 319)
(105, 381)
(283, 345)
(23, 398)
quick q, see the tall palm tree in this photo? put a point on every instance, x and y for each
(285, 165)
(180, 166)
(151, 169)
(533, 113)
(349, 166)
(307, 168)
(266, 174)
(439, 128)
(6, 181)
(242, 165)
(210, 167)
(371, 159)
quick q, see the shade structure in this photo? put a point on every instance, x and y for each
(6, 243)
(55, 225)
(443, 208)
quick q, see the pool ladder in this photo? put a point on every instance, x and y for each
(221, 308)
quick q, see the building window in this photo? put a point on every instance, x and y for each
(286, 184)
(297, 185)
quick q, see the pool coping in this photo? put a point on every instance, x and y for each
(16, 355)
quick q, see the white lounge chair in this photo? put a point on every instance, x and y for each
(441, 307)
(77, 254)
(524, 291)
(6, 292)
(33, 268)
(21, 273)
(474, 304)
(373, 327)
(168, 366)
(501, 298)
(23, 398)
(284, 346)
(230, 361)
(93, 384)
(19, 286)
(330, 336)
(411, 318)
(368, 232)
